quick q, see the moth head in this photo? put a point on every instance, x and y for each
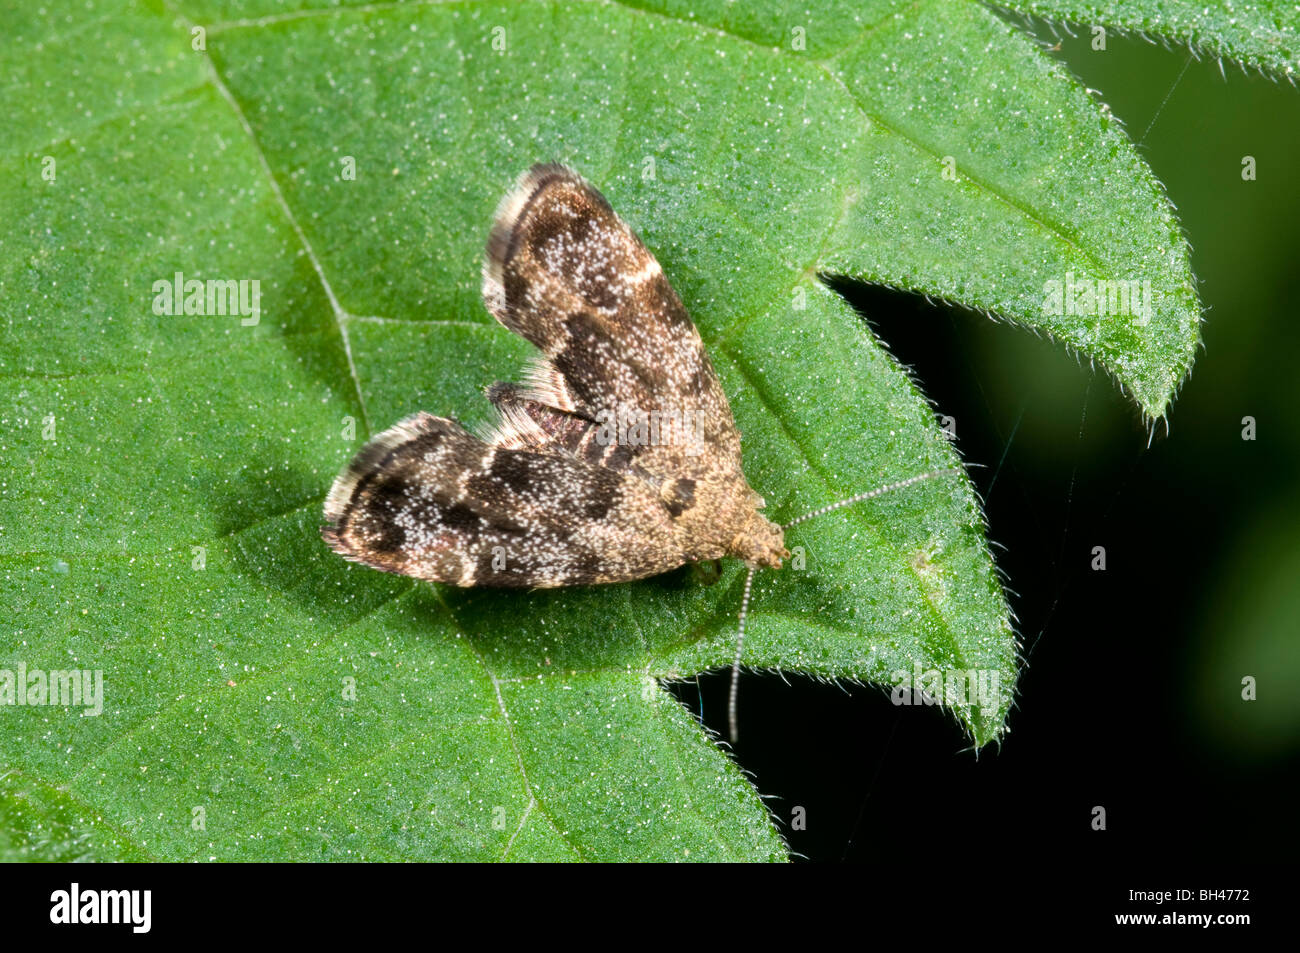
(760, 542)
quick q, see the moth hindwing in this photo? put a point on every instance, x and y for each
(616, 458)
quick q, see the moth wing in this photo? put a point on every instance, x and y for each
(565, 272)
(428, 499)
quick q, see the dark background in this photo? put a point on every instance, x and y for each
(1131, 695)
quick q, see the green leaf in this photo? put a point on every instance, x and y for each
(1264, 34)
(163, 474)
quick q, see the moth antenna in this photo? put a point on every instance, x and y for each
(735, 664)
(871, 494)
(749, 578)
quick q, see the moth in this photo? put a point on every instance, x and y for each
(616, 459)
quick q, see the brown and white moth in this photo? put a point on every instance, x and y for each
(617, 459)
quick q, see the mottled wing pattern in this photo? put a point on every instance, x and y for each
(428, 499)
(548, 499)
(564, 271)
